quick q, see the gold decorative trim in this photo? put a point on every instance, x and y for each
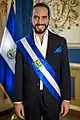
(14, 117)
(3, 7)
(63, 12)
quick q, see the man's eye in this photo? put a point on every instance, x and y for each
(35, 17)
(44, 17)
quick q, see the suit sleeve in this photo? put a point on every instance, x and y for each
(65, 74)
(18, 86)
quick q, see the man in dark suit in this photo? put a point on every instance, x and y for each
(32, 98)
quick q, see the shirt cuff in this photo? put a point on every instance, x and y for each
(17, 102)
(68, 101)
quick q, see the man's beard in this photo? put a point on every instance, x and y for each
(40, 31)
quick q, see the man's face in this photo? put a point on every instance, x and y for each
(40, 19)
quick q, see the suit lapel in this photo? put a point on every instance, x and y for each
(50, 46)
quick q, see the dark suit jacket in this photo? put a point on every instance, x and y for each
(27, 82)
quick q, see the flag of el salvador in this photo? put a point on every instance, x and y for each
(8, 52)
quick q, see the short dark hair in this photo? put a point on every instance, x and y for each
(42, 4)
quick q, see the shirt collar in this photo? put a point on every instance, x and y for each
(36, 38)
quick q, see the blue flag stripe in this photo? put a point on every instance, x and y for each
(2, 65)
(12, 25)
(6, 77)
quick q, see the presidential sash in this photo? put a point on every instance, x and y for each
(40, 65)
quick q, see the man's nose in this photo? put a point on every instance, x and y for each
(40, 20)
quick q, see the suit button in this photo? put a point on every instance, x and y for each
(37, 84)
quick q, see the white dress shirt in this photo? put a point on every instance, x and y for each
(42, 48)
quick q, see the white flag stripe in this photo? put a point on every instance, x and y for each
(29, 49)
(42, 69)
(50, 79)
(8, 45)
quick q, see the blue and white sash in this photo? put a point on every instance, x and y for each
(40, 65)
